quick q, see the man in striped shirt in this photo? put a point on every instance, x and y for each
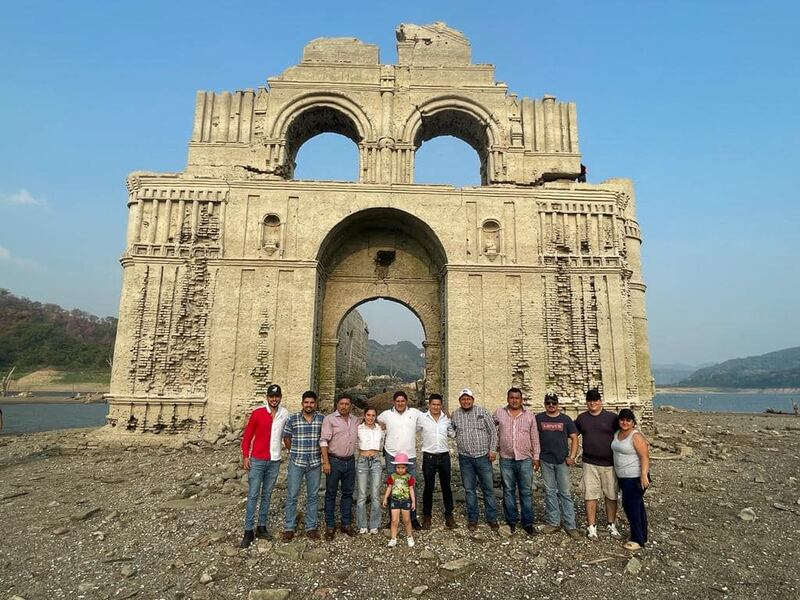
(519, 451)
(301, 437)
(476, 438)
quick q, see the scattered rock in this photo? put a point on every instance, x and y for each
(759, 479)
(276, 594)
(315, 555)
(428, 555)
(60, 531)
(85, 514)
(457, 564)
(747, 514)
(128, 571)
(205, 579)
(633, 566)
(419, 590)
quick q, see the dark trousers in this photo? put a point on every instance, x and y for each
(342, 472)
(433, 464)
(633, 505)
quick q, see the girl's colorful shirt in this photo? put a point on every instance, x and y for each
(401, 486)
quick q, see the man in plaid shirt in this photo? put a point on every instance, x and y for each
(476, 437)
(301, 437)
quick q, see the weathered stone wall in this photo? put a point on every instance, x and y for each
(351, 352)
(236, 276)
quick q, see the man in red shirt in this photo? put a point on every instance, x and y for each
(256, 456)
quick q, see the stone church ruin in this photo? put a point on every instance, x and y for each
(237, 275)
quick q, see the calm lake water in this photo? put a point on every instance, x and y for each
(750, 403)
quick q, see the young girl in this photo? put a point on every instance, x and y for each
(400, 486)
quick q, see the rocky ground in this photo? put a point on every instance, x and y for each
(84, 519)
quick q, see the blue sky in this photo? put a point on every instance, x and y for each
(697, 102)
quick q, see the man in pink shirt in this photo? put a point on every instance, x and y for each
(518, 439)
(256, 441)
(337, 443)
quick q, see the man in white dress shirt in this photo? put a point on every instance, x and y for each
(434, 426)
(401, 438)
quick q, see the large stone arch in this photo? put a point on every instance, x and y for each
(460, 117)
(380, 253)
(312, 114)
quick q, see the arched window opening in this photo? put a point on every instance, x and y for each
(447, 160)
(271, 233)
(491, 239)
(317, 141)
(379, 350)
(449, 124)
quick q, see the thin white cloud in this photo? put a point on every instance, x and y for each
(22, 198)
(24, 263)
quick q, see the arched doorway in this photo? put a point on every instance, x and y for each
(379, 253)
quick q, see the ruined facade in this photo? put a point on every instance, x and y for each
(237, 275)
(351, 350)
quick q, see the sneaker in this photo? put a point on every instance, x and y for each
(591, 532)
(614, 532)
(550, 529)
(574, 534)
(373, 531)
(363, 530)
(392, 542)
(410, 542)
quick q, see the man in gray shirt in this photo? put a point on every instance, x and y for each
(476, 438)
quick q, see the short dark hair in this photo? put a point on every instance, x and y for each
(513, 390)
(399, 393)
(593, 394)
(435, 396)
(627, 413)
(551, 398)
(310, 394)
(344, 396)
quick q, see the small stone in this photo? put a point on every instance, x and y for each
(98, 535)
(457, 564)
(128, 571)
(85, 514)
(634, 566)
(205, 579)
(61, 531)
(315, 555)
(427, 555)
(230, 551)
(504, 531)
(85, 587)
(16, 598)
(323, 592)
(539, 561)
(218, 536)
(419, 590)
(747, 514)
(276, 594)
(760, 479)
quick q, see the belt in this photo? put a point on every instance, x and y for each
(435, 453)
(340, 457)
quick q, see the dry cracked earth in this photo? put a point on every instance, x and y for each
(84, 518)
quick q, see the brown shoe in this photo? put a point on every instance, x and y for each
(287, 536)
(550, 529)
(330, 532)
(348, 530)
(494, 525)
(472, 526)
(450, 522)
(574, 534)
(426, 522)
(312, 534)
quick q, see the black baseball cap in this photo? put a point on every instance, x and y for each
(274, 390)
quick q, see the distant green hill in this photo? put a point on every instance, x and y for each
(779, 369)
(35, 335)
(402, 359)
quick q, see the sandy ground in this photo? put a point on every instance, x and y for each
(82, 518)
(48, 380)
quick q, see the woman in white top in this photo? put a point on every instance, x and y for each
(369, 472)
(632, 466)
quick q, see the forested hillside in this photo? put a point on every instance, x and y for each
(35, 335)
(780, 369)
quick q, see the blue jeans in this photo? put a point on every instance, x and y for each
(517, 475)
(475, 471)
(344, 472)
(295, 476)
(369, 472)
(412, 468)
(261, 480)
(556, 489)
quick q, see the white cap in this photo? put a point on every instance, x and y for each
(466, 392)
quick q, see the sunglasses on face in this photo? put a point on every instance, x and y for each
(550, 403)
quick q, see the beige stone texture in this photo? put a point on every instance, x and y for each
(236, 275)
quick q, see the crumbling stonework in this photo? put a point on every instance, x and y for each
(351, 351)
(236, 275)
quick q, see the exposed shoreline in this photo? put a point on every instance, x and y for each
(703, 390)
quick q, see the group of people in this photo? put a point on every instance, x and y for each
(348, 450)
